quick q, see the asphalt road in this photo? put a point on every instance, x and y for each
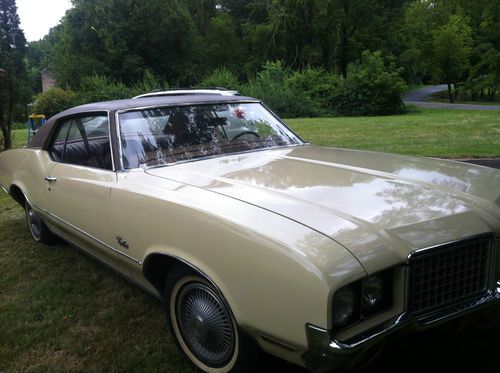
(419, 96)
(493, 163)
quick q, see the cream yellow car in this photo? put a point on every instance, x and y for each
(256, 240)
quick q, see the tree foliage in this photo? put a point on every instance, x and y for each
(14, 89)
(340, 57)
(451, 48)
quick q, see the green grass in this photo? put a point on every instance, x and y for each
(60, 310)
(435, 133)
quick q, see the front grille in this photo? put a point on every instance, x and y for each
(448, 274)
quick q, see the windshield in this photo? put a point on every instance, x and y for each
(160, 136)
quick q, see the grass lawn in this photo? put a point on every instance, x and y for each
(62, 311)
(434, 133)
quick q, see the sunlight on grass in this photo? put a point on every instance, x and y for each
(434, 133)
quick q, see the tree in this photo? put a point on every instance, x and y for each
(14, 91)
(451, 48)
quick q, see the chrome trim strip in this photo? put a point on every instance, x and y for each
(423, 321)
(89, 235)
(325, 352)
(214, 102)
(119, 138)
(113, 166)
(180, 92)
(4, 189)
(277, 342)
(449, 243)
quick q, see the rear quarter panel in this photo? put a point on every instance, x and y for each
(26, 169)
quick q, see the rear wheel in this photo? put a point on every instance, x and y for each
(204, 327)
(38, 229)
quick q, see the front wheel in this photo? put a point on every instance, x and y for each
(204, 327)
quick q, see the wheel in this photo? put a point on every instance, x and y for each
(203, 326)
(39, 231)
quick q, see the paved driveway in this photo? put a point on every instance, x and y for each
(494, 163)
(419, 96)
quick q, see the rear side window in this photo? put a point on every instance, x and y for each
(57, 149)
(83, 141)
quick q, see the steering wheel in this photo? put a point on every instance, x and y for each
(245, 133)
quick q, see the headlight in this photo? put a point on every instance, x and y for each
(344, 303)
(362, 299)
(372, 291)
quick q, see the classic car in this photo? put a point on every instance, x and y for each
(256, 240)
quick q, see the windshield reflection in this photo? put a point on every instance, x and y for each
(159, 136)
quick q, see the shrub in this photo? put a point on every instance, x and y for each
(319, 85)
(370, 88)
(149, 83)
(272, 86)
(221, 77)
(54, 101)
(98, 88)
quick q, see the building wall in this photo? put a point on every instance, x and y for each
(48, 81)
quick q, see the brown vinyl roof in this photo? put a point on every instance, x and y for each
(137, 103)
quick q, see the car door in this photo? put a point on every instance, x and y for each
(79, 181)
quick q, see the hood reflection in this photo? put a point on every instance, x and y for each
(328, 190)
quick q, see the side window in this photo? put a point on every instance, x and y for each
(57, 149)
(83, 141)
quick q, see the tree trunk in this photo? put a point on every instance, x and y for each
(344, 45)
(450, 94)
(5, 127)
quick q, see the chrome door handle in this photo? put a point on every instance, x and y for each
(50, 179)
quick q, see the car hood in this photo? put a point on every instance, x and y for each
(378, 206)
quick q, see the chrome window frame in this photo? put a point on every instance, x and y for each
(50, 137)
(215, 102)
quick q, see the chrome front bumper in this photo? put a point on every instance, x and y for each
(325, 353)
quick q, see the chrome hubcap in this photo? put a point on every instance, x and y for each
(205, 325)
(33, 222)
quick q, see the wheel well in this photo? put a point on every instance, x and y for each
(157, 267)
(18, 195)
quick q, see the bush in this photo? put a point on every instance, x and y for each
(98, 88)
(149, 83)
(54, 101)
(221, 77)
(370, 88)
(319, 85)
(272, 85)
